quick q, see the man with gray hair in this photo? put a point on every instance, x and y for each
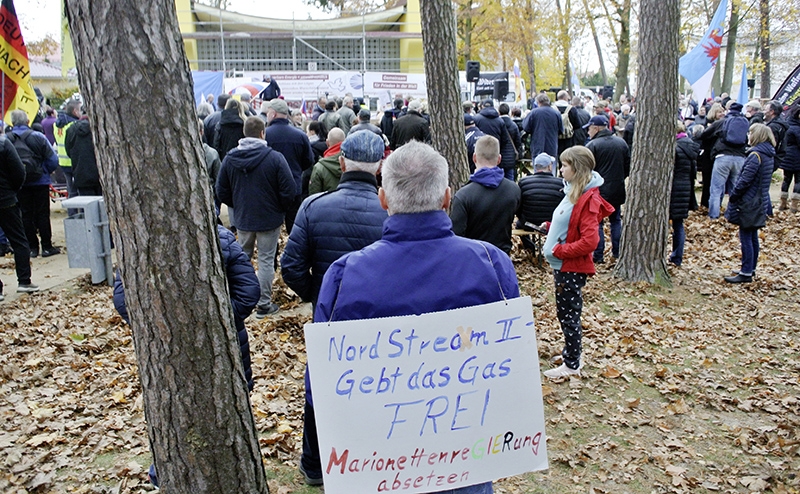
(410, 127)
(347, 114)
(419, 265)
(329, 225)
(544, 125)
(484, 208)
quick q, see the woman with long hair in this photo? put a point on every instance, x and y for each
(750, 197)
(230, 128)
(571, 239)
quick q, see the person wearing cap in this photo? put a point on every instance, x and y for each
(471, 134)
(727, 157)
(418, 266)
(329, 225)
(410, 127)
(255, 180)
(272, 90)
(544, 125)
(612, 158)
(327, 171)
(294, 145)
(365, 124)
(541, 193)
(752, 110)
(491, 124)
(484, 208)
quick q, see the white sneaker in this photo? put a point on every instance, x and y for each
(2, 297)
(562, 371)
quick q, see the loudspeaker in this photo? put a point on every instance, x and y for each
(751, 83)
(473, 71)
(608, 92)
(500, 90)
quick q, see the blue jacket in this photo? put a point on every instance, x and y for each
(38, 143)
(256, 182)
(419, 266)
(544, 124)
(791, 161)
(755, 177)
(243, 288)
(329, 225)
(293, 144)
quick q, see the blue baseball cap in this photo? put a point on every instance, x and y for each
(364, 146)
(601, 120)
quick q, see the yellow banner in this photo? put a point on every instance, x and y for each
(15, 66)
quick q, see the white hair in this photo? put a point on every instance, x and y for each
(361, 166)
(19, 117)
(414, 179)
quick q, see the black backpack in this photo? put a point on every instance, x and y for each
(33, 170)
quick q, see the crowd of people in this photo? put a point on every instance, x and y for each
(364, 202)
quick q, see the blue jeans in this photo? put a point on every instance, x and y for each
(726, 168)
(616, 233)
(750, 250)
(678, 239)
(510, 173)
(267, 246)
(3, 239)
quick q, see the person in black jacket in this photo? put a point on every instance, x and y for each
(211, 121)
(779, 128)
(682, 189)
(230, 128)
(541, 193)
(613, 162)
(490, 123)
(513, 130)
(80, 149)
(410, 127)
(12, 176)
(484, 208)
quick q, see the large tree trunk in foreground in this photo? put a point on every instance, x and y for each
(646, 218)
(137, 86)
(444, 100)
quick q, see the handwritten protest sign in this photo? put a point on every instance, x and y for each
(430, 402)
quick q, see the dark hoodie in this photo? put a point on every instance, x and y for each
(228, 132)
(80, 149)
(63, 119)
(255, 180)
(490, 123)
(484, 208)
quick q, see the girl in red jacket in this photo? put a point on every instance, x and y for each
(571, 239)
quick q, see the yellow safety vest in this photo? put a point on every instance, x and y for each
(60, 134)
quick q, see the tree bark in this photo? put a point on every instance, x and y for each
(765, 57)
(199, 420)
(530, 54)
(646, 219)
(730, 50)
(623, 47)
(596, 41)
(441, 72)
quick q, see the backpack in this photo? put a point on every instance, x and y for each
(568, 130)
(33, 170)
(734, 130)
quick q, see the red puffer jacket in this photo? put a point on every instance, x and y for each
(582, 233)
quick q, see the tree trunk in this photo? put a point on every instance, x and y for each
(730, 50)
(716, 79)
(646, 219)
(530, 53)
(765, 60)
(199, 420)
(623, 48)
(564, 41)
(441, 71)
(596, 41)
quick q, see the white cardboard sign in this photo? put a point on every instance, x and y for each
(430, 402)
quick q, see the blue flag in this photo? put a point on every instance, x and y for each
(698, 65)
(743, 93)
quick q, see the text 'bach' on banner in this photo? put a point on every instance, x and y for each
(427, 402)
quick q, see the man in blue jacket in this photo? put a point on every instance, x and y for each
(34, 197)
(419, 265)
(256, 182)
(329, 225)
(294, 145)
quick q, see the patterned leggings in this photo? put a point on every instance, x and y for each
(569, 305)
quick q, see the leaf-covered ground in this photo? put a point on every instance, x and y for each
(694, 388)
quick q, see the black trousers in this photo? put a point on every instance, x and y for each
(11, 224)
(310, 457)
(569, 306)
(34, 200)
